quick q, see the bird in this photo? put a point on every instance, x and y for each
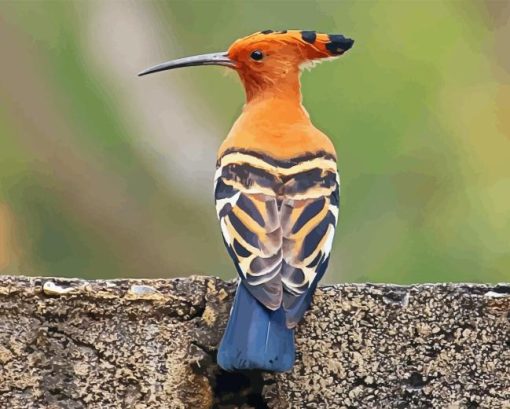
(276, 191)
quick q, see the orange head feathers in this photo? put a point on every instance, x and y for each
(269, 60)
(273, 58)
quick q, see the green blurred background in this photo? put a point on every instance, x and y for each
(104, 174)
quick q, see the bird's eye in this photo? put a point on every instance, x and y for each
(257, 55)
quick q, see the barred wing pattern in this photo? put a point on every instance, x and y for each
(278, 220)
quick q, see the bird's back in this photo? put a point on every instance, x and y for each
(277, 193)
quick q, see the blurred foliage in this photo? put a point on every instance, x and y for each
(418, 111)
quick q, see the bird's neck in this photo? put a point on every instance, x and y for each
(275, 110)
(274, 104)
(284, 87)
(275, 123)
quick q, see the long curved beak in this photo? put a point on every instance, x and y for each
(204, 59)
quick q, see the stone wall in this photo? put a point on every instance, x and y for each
(151, 344)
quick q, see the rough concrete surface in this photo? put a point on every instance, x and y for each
(151, 344)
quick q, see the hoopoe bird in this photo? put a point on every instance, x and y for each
(277, 193)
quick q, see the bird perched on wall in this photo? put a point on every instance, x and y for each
(277, 193)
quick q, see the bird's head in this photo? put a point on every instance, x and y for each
(269, 60)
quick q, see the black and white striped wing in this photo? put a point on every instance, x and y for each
(251, 229)
(308, 228)
(278, 224)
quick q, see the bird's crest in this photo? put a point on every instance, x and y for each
(273, 59)
(310, 45)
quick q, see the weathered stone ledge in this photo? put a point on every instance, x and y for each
(151, 344)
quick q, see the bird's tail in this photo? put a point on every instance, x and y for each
(256, 337)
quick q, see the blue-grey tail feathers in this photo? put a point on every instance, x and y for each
(256, 337)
